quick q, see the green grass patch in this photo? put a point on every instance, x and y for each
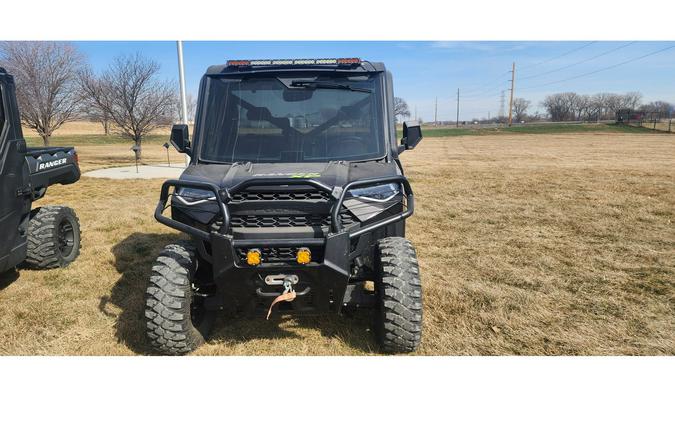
(551, 128)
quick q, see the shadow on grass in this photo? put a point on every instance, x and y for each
(8, 277)
(134, 257)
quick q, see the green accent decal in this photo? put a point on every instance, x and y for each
(305, 175)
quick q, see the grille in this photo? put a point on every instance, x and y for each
(322, 221)
(314, 195)
(279, 221)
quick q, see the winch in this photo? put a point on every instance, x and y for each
(289, 293)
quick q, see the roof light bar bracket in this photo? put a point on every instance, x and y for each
(296, 62)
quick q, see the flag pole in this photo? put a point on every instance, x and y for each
(183, 99)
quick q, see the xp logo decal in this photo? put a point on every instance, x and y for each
(50, 164)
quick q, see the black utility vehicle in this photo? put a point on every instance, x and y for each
(294, 196)
(45, 237)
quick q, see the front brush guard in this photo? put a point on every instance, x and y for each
(223, 196)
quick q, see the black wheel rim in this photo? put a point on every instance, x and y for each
(66, 238)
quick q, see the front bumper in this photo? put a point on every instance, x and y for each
(321, 286)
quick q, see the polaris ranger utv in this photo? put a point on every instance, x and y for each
(45, 237)
(294, 197)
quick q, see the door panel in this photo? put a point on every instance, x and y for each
(13, 177)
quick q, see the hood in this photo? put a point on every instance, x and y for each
(336, 173)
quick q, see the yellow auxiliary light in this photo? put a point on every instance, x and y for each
(304, 256)
(253, 257)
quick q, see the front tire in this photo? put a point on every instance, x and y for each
(176, 322)
(399, 289)
(53, 237)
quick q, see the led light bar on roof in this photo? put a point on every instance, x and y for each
(294, 62)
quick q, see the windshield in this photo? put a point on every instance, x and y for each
(292, 119)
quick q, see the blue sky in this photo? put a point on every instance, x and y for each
(426, 70)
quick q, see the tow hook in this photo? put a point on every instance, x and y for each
(288, 295)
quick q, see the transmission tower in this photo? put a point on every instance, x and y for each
(501, 107)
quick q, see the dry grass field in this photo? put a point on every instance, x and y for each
(529, 245)
(80, 127)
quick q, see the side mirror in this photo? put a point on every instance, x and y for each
(412, 135)
(180, 138)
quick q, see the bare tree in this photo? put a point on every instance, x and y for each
(95, 104)
(582, 107)
(558, 106)
(520, 106)
(191, 103)
(615, 102)
(662, 108)
(631, 100)
(135, 99)
(401, 108)
(572, 106)
(600, 105)
(191, 107)
(46, 79)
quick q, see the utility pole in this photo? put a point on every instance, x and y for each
(513, 82)
(457, 121)
(436, 112)
(183, 100)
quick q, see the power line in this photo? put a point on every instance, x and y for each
(600, 70)
(579, 62)
(559, 56)
(490, 85)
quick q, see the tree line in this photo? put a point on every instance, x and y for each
(570, 106)
(55, 85)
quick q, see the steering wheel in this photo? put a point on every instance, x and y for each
(352, 138)
(349, 143)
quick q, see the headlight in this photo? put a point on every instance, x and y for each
(379, 193)
(366, 203)
(193, 196)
